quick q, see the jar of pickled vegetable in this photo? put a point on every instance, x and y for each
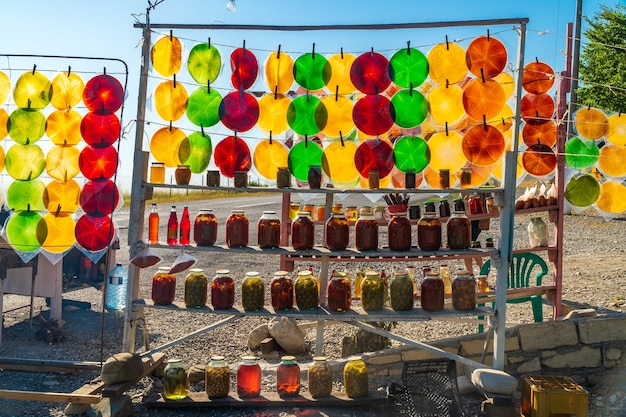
(302, 231)
(355, 379)
(252, 292)
(459, 230)
(432, 291)
(163, 286)
(288, 377)
(336, 232)
(372, 292)
(320, 378)
(237, 229)
(399, 232)
(401, 291)
(196, 287)
(463, 291)
(268, 230)
(339, 292)
(205, 228)
(222, 290)
(429, 232)
(366, 230)
(217, 378)
(306, 291)
(249, 378)
(281, 291)
(175, 381)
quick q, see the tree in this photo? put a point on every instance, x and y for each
(602, 67)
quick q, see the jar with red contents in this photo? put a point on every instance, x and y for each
(399, 232)
(237, 229)
(281, 291)
(475, 204)
(302, 231)
(163, 286)
(459, 231)
(268, 230)
(366, 230)
(429, 232)
(339, 292)
(336, 232)
(222, 290)
(432, 292)
(288, 377)
(205, 228)
(249, 378)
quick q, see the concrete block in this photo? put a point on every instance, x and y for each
(533, 365)
(602, 330)
(614, 355)
(475, 347)
(383, 359)
(112, 407)
(584, 358)
(420, 355)
(541, 336)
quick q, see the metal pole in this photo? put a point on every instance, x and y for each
(574, 68)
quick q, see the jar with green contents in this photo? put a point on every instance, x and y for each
(175, 381)
(372, 292)
(252, 292)
(196, 286)
(217, 378)
(320, 378)
(463, 291)
(355, 379)
(401, 291)
(306, 291)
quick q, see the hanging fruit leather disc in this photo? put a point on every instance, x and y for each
(507, 82)
(98, 163)
(497, 169)
(337, 162)
(5, 87)
(26, 231)
(273, 113)
(67, 90)
(480, 174)
(612, 197)
(486, 57)
(100, 130)
(99, 198)
(483, 145)
(204, 63)
(339, 112)
(311, 71)
(539, 160)
(239, 111)
(307, 115)
(164, 145)
(203, 107)
(231, 155)
(32, 91)
(244, 68)
(582, 190)
(279, 72)
(166, 55)
(504, 120)
(1, 159)
(447, 63)
(446, 152)
(431, 177)
(408, 68)
(63, 127)
(61, 196)
(540, 133)
(483, 99)
(26, 125)
(446, 104)
(411, 153)
(301, 156)
(103, 94)
(25, 162)
(340, 82)
(195, 151)
(616, 130)
(170, 100)
(4, 118)
(269, 155)
(591, 123)
(60, 237)
(26, 195)
(580, 153)
(373, 115)
(537, 108)
(537, 78)
(370, 73)
(410, 108)
(94, 233)
(611, 161)
(374, 153)
(62, 162)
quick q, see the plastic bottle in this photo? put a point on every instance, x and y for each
(153, 226)
(446, 276)
(116, 290)
(172, 228)
(185, 227)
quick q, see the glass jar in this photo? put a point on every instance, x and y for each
(490, 206)
(175, 380)
(283, 177)
(465, 177)
(429, 232)
(196, 287)
(463, 291)
(366, 230)
(372, 292)
(444, 178)
(288, 377)
(380, 213)
(446, 277)
(281, 291)
(294, 209)
(217, 378)
(213, 178)
(399, 232)
(249, 378)
(315, 177)
(310, 208)
(475, 204)
(252, 292)
(489, 242)
(320, 213)
(429, 207)
(459, 231)
(205, 228)
(163, 286)
(339, 292)
(157, 173)
(268, 230)
(302, 232)
(337, 208)
(306, 291)
(241, 179)
(444, 208)
(401, 291)
(358, 281)
(237, 229)
(351, 213)
(432, 297)
(320, 378)
(482, 284)
(222, 290)
(337, 232)
(182, 174)
(355, 379)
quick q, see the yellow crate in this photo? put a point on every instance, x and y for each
(553, 396)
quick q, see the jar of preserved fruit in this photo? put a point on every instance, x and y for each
(336, 208)
(175, 381)
(429, 207)
(432, 292)
(446, 277)
(222, 290)
(306, 291)
(182, 174)
(429, 232)
(463, 291)
(459, 230)
(355, 379)
(358, 281)
(288, 377)
(475, 204)
(249, 378)
(281, 291)
(380, 213)
(315, 177)
(366, 230)
(310, 208)
(252, 292)
(196, 288)
(320, 378)
(401, 291)
(283, 177)
(163, 286)
(205, 228)
(268, 230)
(399, 232)
(294, 209)
(320, 212)
(351, 213)
(444, 208)
(490, 206)
(302, 232)
(336, 232)
(217, 378)
(482, 284)
(339, 292)
(237, 229)
(458, 204)
(372, 292)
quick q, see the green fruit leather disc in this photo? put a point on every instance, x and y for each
(26, 195)
(26, 231)
(302, 156)
(581, 153)
(203, 107)
(410, 108)
(311, 71)
(411, 153)
(195, 151)
(32, 90)
(26, 125)
(582, 190)
(307, 115)
(204, 63)
(25, 162)
(408, 68)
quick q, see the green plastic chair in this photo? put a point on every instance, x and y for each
(521, 269)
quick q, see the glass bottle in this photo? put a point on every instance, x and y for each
(432, 298)
(459, 231)
(196, 287)
(320, 378)
(446, 277)
(302, 232)
(306, 291)
(268, 230)
(281, 291)
(217, 378)
(366, 230)
(249, 378)
(222, 290)
(336, 232)
(175, 381)
(237, 229)
(355, 378)
(185, 227)
(172, 228)
(429, 232)
(153, 226)
(399, 232)
(205, 228)
(163, 286)
(401, 291)
(288, 377)
(463, 291)
(358, 281)
(339, 292)
(252, 292)
(372, 292)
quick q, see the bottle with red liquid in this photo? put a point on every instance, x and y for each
(288, 377)
(222, 290)
(249, 378)
(172, 228)
(153, 226)
(281, 291)
(185, 227)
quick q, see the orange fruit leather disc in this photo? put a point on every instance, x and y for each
(591, 123)
(483, 99)
(486, 57)
(539, 160)
(483, 145)
(537, 78)
(537, 108)
(544, 133)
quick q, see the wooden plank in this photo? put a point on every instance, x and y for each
(150, 363)
(55, 397)
(38, 365)
(516, 293)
